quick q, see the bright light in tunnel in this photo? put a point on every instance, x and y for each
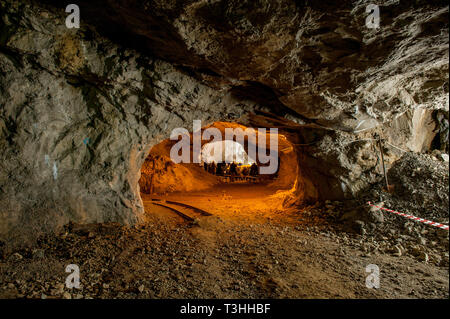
(225, 151)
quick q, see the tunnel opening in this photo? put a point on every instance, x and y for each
(248, 170)
(228, 159)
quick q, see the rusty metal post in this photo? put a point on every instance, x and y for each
(380, 145)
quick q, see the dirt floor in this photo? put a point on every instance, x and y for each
(246, 249)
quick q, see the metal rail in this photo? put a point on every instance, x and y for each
(162, 203)
(184, 216)
(231, 178)
(199, 210)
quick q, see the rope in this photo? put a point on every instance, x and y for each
(372, 139)
(363, 139)
(397, 147)
(306, 144)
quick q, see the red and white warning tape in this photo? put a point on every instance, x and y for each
(425, 221)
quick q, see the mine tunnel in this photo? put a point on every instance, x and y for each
(224, 149)
(232, 162)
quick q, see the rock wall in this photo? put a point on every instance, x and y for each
(161, 175)
(79, 115)
(317, 57)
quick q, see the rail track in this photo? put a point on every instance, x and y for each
(187, 212)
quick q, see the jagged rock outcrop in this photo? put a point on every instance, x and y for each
(318, 57)
(81, 108)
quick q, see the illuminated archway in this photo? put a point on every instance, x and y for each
(159, 174)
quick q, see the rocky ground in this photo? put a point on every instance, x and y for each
(420, 188)
(246, 250)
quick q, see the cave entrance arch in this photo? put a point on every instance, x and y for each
(160, 174)
(163, 179)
